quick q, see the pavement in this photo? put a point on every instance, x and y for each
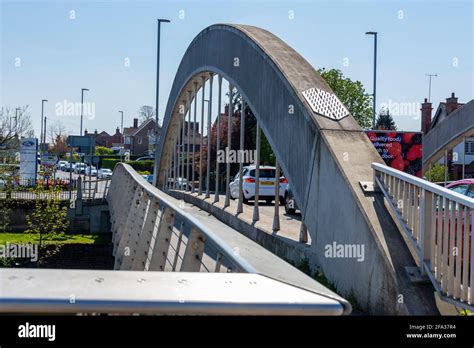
(289, 224)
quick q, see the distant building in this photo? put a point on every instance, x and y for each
(105, 139)
(138, 139)
(463, 152)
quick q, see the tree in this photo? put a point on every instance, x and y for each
(351, 94)
(59, 146)
(385, 121)
(436, 174)
(146, 112)
(49, 217)
(14, 125)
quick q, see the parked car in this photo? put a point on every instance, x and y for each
(266, 184)
(61, 164)
(92, 171)
(69, 167)
(145, 158)
(104, 173)
(80, 168)
(290, 203)
(176, 183)
(464, 187)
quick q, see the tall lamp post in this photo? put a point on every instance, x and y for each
(374, 33)
(155, 167)
(82, 102)
(121, 137)
(42, 117)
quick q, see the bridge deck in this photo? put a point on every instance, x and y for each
(289, 224)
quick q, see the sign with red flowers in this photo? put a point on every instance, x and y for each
(399, 150)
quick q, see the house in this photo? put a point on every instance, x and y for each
(105, 139)
(138, 139)
(463, 153)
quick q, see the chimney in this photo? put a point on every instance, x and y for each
(226, 109)
(117, 131)
(135, 123)
(451, 103)
(95, 132)
(426, 109)
(85, 132)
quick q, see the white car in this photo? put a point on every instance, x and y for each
(104, 173)
(61, 164)
(80, 168)
(266, 184)
(92, 171)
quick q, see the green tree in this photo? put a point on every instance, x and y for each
(385, 121)
(102, 150)
(436, 174)
(49, 217)
(351, 94)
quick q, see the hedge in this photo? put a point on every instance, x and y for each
(137, 165)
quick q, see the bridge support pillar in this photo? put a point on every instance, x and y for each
(256, 215)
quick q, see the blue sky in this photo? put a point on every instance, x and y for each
(60, 55)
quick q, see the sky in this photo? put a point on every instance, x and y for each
(52, 49)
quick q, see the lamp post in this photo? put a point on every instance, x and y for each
(121, 137)
(155, 167)
(16, 120)
(42, 117)
(82, 102)
(374, 33)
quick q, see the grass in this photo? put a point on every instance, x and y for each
(31, 238)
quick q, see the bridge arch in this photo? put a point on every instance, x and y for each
(325, 159)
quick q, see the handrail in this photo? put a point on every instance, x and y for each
(427, 185)
(438, 224)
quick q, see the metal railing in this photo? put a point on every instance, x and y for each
(438, 223)
(170, 258)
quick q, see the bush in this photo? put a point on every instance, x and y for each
(437, 173)
(102, 150)
(143, 166)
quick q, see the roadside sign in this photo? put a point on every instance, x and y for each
(49, 160)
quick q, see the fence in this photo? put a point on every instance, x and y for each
(438, 223)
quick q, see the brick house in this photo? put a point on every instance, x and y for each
(138, 139)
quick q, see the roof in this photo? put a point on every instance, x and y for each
(441, 113)
(130, 131)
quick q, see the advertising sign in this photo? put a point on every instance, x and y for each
(399, 150)
(28, 160)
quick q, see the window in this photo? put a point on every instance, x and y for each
(459, 188)
(470, 192)
(127, 140)
(139, 140)
(264, 173)
(469, 148)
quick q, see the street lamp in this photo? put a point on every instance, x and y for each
(121, 137)
(155, 167)
(42, 117)
(374, 33)
(16, 120)
(82, 101)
